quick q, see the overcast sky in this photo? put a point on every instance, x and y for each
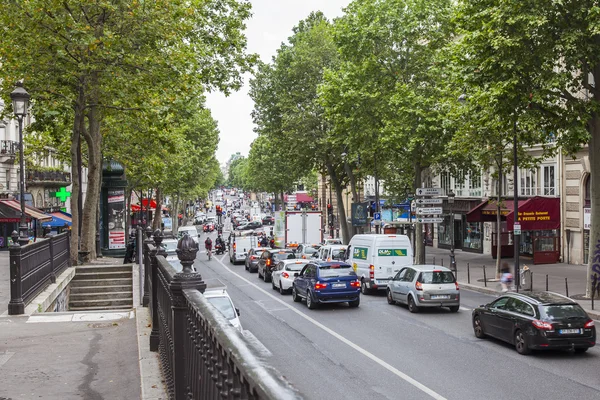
(271, 24)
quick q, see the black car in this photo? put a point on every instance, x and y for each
(268, 261)
(535, 321)
(249, 226)
(268, 220)
(254, 254)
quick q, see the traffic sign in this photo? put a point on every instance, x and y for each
(429, 210)
(377, 216)
(429, 201)
(430, 220)
(429, 191)
(517, 228)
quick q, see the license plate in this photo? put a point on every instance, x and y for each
(338, 285)
(440, 296)
(568, 331)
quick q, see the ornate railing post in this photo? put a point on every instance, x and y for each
(16, 306)
(147, 266)
(187, 249)
(154, 334)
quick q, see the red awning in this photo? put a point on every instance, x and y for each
(537, 214)
(137, 207)
(487, 210)
(30, 212)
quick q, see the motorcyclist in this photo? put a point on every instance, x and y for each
(219, 244)
(264, 242)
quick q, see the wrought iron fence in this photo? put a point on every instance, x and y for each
(34, 266)
(202, 355)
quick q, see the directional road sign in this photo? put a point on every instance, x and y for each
(429, 201)
(377, 216)
(429, 210)
(430, 220)
(429, 191)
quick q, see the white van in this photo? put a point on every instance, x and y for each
(332, 252)
(377, 258)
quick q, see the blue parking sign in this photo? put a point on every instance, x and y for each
(377, 216)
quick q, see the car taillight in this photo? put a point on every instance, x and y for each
(234, 246)
(320, 285)
(253, 257)
(418, 285)
(285, 275)
(589, 324)
(355, 284)
(546, 326)
(268, 262)
(371, 272)
(456, 284)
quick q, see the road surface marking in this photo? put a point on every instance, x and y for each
(343, 339)
(465, 309)
(5, 356)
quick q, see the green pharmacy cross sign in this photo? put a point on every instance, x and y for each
(62, 194)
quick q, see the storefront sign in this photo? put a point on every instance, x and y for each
(587, 218)
(537, 214)
(116, 219)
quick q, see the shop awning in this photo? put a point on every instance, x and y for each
(486, 211)
(59, 219)
(10, 211)
(137, 207)
(300, 198)
(537, 214)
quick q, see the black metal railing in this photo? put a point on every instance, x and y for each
(202, 355)
(34, 266)
(9, 148)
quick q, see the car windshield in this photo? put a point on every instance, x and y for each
(223, 304)
(333, 271)
(338, 254)
(284, 255)
(310, 250)
(169, 247)
(437, 277)
(295, 267)
(563, 311)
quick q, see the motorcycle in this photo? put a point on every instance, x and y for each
(219, 249)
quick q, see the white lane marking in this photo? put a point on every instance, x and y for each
(5, 356)
(465, 309)
(341, 338)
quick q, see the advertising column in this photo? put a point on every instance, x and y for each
(116, 219)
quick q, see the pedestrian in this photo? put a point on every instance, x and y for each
(506, 278)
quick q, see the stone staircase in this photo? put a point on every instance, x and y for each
(102, 287)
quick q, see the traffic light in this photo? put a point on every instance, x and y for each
(219, 210)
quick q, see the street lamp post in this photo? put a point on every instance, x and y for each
(20, 102)
(517, 233)
(451, 196)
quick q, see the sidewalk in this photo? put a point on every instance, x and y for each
(470, 274)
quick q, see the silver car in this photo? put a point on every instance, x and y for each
(424, 286)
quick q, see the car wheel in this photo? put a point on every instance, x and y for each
(454, 308)
(412, 307)
(478, 328)
(231, 260)
(355, 303)
(295, 296)
(273, 285)
(281, 291)
(265, 276)
(259, 275)
(390, 299)
(310, 303)
(581, 349)
(246, 267)
(521, 343)
(363, 288)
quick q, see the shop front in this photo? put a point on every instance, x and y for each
(467, 235)
(540, 229)
(10, 216)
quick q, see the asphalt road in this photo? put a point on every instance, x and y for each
(380, 351)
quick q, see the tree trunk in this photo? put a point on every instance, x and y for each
(75, 177)
(175, 214)
(343, 223)
(157, 221)
(419, 237)
(594, 151)
(499, 220)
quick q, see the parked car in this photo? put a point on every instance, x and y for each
(306, 251)
(327, 282)
(536, 321)
(283, 275)
(251, 263)
(268, 220)
(220, 299)
(424, 286)
(268, 261)
(376, 258)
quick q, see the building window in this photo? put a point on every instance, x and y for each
(549, 182)
(8, 179)
(528, 182)
(445, 182)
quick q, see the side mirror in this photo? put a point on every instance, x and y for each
(296, 275)
(237, 311)
(391, 278)
(198, 235)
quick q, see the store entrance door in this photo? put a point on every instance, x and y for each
(458, 232)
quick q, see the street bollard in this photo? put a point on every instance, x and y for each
(484, 277)
(468, 273)
(433, 260)
(567, 287)
(546, 282)
(531, 282)
(594, 283)
(442, 262)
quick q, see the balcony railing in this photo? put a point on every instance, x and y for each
(56, 178)
(9, 148)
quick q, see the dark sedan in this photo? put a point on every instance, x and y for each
(249, 226)
(536, 321)
(268, 220)
(254, 254)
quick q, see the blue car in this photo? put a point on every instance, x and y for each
(326, 282)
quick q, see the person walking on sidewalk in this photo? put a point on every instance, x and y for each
(506, 279)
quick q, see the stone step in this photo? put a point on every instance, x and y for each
(101, 275)
(100, 303)
(101, 289)
(119, 308)
(103, 268)
(100, 296)
(101, 282)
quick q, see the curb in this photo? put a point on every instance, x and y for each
(592, 313)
